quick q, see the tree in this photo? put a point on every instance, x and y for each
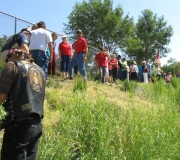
(152, 34)
(2, 42)
(101, 25)
(171, 66)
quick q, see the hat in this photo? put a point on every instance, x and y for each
(143, 61)
(41, 23)
(79, 31)
(64, 36)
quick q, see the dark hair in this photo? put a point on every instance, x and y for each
(101, 48)
(41, 23)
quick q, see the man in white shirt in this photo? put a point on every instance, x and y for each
(39, 41)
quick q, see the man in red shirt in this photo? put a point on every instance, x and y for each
(65, 53)
(79, 56)
(101, 63)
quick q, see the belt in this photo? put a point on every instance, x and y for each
(30, 117)
(80, 52)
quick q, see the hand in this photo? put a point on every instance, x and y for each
(50, 58)
(84, 59)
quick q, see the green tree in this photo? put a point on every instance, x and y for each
(102, 25)
(2, 42)
(152, 34)
(171, 66)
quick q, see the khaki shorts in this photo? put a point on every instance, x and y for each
(3, 57)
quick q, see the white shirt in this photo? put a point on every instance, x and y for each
(39, 39)
(134, 68)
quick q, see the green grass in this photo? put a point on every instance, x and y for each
(93, 128)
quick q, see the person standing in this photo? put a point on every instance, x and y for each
(101, 63)
(145, 75)
(133, 71)
(114, 63)
(22, 90)
(120, 66)
(107, 59)
(52, 64)
(39, 40)
(140, 73)
(65, 54)
(79, 56)
(124, 74)
(18, 40)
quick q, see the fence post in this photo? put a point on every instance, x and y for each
(15, 25)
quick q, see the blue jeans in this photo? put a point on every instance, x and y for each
(40, 59)
(78, 60)
(64, 63)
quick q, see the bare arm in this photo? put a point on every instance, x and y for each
(25, 47)
(50, 45)
(60, 55)
(2, 98)
(85, 55)
(86, 51)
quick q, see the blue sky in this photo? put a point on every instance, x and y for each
(55, 13)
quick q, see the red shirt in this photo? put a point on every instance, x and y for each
(65, 48)
(114, 61)
(80, 45)
(101, 58)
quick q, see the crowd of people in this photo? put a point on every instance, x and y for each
(112, 68)
(40, 45)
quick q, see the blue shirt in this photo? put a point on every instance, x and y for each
(23, 39)
(140, 69)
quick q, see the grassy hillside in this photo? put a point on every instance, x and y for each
(107, 122)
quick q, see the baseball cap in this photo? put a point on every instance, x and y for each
(79, 31)
(64, 36)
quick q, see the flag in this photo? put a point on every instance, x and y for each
(157, 59)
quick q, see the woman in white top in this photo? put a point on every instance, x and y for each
(134, 71)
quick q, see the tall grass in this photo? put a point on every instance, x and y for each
(90, 125)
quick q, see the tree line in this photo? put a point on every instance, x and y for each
(104, 25)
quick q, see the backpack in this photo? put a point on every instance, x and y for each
(14, 40)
